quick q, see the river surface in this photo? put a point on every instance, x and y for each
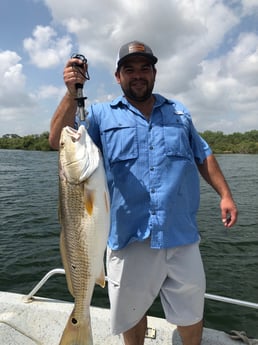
(29, 230)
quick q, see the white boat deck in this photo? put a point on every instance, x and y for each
(41, 322)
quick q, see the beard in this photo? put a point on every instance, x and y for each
(138, 95)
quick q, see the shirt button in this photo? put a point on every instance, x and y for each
(151, 168)
(151, 147)
(152, 190)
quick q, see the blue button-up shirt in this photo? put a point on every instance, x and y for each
(151, 171)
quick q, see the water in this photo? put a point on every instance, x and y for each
(29, 230)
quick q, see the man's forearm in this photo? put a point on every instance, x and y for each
(211, 172)
(63, 116)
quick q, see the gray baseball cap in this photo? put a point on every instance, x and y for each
(135, 48)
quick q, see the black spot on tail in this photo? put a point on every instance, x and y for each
(74, 321)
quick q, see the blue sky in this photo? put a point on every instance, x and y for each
(207, 50)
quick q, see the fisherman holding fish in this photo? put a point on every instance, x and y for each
(152, 157)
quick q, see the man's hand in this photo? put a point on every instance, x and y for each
(74, 73)
(228, 212)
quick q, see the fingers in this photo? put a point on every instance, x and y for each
(229, 218)
(74, 73)
(228, 212)
(227, 222)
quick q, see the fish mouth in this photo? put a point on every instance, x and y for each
(73, 133)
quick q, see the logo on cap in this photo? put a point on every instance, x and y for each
(136, 47)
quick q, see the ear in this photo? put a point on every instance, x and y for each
(154, 71)
(117, 76)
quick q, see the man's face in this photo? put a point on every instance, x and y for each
(136, 77)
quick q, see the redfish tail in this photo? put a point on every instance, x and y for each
(77, 333)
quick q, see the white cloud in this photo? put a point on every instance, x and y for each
(50, 91)
(249, 6)
(200, 62)
(207, 54)
(45, 48)
(10, 74)
(226, 90)
(21, 111)
(242, 60)
(12, 81)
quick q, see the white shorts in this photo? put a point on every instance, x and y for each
(138, 274)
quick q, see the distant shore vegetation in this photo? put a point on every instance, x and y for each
(219, 142)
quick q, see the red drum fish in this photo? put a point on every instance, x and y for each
(84, 214)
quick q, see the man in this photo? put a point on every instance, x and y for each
(152, 155)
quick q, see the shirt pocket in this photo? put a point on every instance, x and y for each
(120, 143)
(177, 142)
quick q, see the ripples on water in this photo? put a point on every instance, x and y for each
(231, 256)
(29, 227)
(29, 245)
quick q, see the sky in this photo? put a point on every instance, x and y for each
(207, 51)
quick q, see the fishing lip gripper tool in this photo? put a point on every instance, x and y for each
(80, 98)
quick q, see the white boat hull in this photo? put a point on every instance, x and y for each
(42, 322)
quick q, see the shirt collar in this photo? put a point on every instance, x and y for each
(160, 100)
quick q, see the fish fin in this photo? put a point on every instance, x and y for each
(89, 200)
(77, 332)
(65, 263)
(101, 279)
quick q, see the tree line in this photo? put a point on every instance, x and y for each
(232, 143)
(219, 142)
(33, 142)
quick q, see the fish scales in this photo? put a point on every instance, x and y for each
(85, 218)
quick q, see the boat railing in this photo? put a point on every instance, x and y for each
(29, 297)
